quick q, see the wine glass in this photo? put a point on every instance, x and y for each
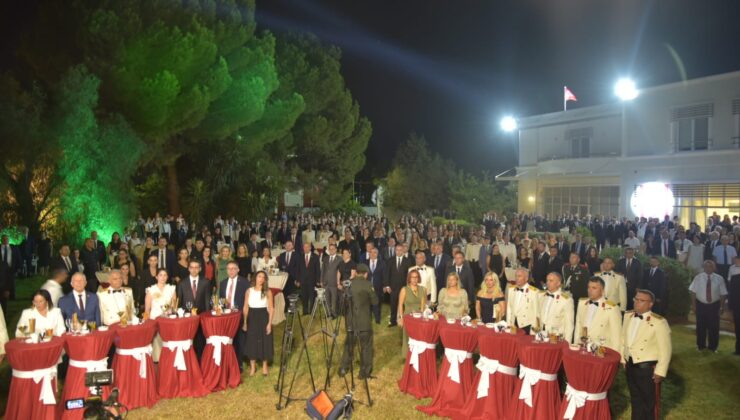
(189, 306)
(23, 328)
(602, 340)
(68, 323)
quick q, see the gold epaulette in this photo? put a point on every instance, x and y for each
(565, 295)
(610, 303)
(582, 299)
(534, 288)
(656, 316)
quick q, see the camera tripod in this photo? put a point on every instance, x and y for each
(346, 312)
(285, 353)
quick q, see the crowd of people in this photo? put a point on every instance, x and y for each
(503, 268)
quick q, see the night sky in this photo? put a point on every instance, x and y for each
(451, 69)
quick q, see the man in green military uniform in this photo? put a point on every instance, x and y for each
(575, 278)
(358, 319)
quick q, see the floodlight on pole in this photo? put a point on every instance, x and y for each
(625, 89)
(508, 124)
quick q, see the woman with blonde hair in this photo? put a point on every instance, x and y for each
(452, 301)
(222, 260)
(490, 302)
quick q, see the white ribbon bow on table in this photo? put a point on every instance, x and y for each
(489, 367)
(417, 348)
(138, 353)
(45, 376)
(217, 341)
(179, 347)
(530, 377)
(455, 357)
(577, 399)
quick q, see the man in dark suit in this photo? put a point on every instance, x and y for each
(79, 301)
(99, 247)
(308, 276)
(540, 263)
(295, 237)
(288, 262)
(376, 275)
(65, 260)
(449, 242)
(463, 270)
(358, 318)
(330, 277)
(283, 233)
(710, 245)
(351, 244)
(252, 244)
(554, 262)
(267, 242)
(365, 256)
(195, 289)
(579, 247)
(440, 261)
(654, 279)
(397, 269)
(233, 289)
(665, 247)
(631, 269)
(597, 227)
(563, 248)
(89, 259)
(165, 256)
(390, 250)
(11, 256)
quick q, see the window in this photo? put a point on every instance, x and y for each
(580, 142)
(692, 127)
(736, 119)
(584, 200)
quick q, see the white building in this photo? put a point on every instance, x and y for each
(592, 160)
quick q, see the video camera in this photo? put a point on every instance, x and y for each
(95, 407)
(292, 300)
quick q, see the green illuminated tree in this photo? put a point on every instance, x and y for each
(100, 155)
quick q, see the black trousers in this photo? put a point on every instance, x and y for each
(394, 305)
(707, 325)
(308, 296)
(736, 317)
(642, 391)
(366, 352)
(375, 309)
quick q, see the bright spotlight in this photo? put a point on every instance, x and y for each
(625, 89)
(508, 124)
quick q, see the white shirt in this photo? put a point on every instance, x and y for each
(230, 284)
(699, 287)
(633, 243)
(54, 289)
(592, 311)
(77, 298)
(548, 302)
(53, 320)
(3, 332)
(634, 326)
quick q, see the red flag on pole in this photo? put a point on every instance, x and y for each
(567, 96)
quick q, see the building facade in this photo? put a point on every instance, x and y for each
(593, 160)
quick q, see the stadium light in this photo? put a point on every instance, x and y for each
(508, 124)
(625, 89)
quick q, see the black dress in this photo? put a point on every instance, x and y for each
(259, 345)
(497, 266)
(245, 266)
(594, 264)
(180, 272)
(486, 308)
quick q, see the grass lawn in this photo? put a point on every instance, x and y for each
(698, 384)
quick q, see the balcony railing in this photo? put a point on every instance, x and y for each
(590, 155)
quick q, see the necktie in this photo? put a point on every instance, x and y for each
(287, 259)
(458, 270)
(629, 262)
(308, 258)
(81, 303)
(67, 263)
(228, 291)
(372, 266)
(665, 251)
(652, 272)
(725, 249)
(709, 289)
(195, 287)
(436, 261)
(161, 258)
(398, 262)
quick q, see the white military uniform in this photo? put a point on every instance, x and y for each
(556, 313)
(647, 340)
(602, 319)
(615, 288)
(114, 301)
(428, 280)
(522, 305)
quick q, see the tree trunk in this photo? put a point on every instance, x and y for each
(173, 188)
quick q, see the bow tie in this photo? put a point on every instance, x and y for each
(549, 295)
(117, 291)
(519, 290)
(593, 302)
(421, 268)
(607, 273)
(638, 316)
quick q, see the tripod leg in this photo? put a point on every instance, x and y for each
(284, 357)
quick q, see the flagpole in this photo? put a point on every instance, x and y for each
(565, 101)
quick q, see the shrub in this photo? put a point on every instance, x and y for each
(678, 277)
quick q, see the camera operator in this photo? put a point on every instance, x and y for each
(361, 297)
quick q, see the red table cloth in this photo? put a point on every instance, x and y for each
(420, 371)
(34, 385)
(132, 365)
(537, 394)
(179, 370)
(87, 353)
(218, 362)
(456, 375)
(491, 393)
(589, 379)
